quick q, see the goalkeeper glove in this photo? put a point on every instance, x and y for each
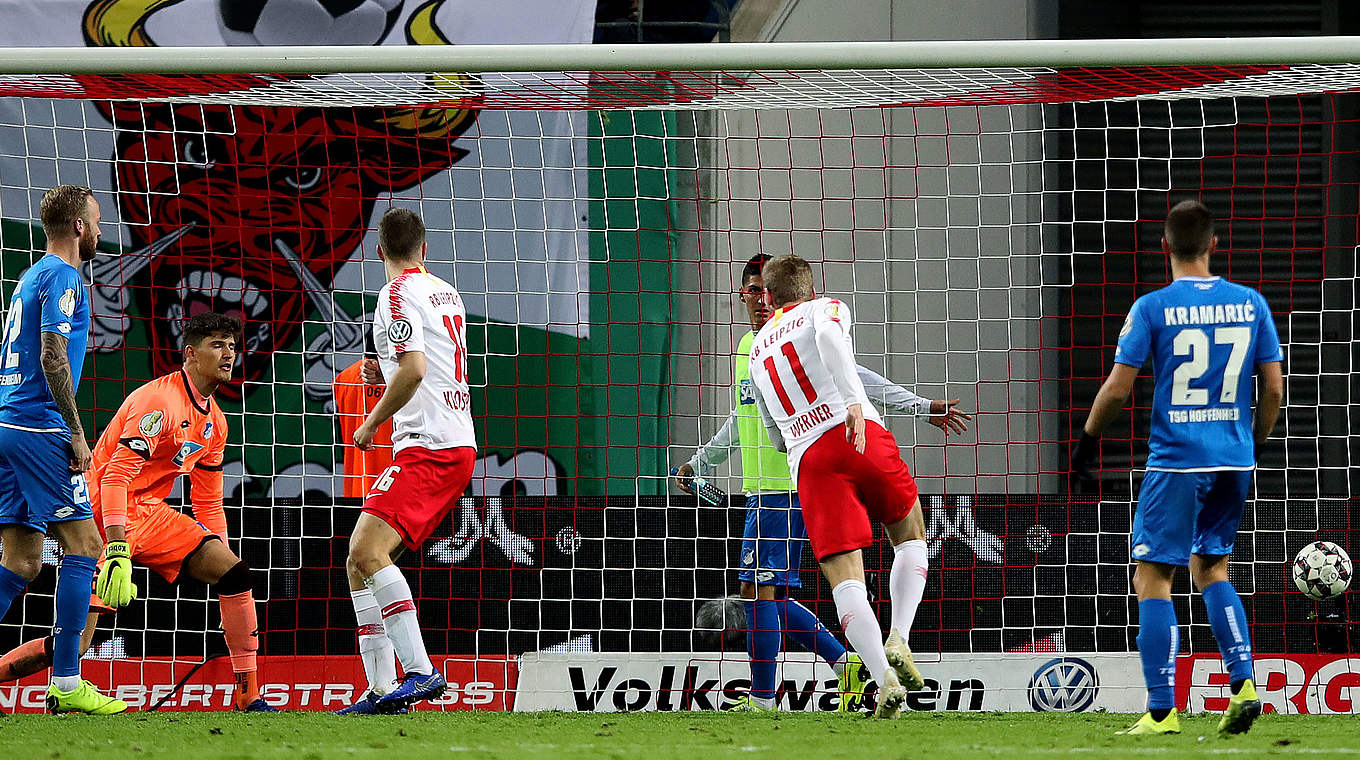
(115, 584)
(1083, 456)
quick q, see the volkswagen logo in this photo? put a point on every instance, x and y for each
(1065, 684)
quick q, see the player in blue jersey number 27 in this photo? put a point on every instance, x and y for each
(43, 451)
(1205, 336)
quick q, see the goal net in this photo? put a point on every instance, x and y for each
(989, 227)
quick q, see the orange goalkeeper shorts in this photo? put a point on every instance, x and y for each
(160, 538)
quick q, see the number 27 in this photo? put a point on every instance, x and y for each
(1195, 342)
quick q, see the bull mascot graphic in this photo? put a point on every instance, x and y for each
(251, 211)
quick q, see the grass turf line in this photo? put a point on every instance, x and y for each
(653, 736)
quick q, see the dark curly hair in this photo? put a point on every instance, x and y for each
(206, 325)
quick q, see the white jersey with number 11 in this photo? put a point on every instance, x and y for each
(794, 377)
(420, 312)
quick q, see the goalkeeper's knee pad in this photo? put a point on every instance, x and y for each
(234, 581)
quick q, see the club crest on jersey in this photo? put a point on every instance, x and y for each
(746, 394)
(207, 430)
(399, 331)
(151, 423)
(67, 302)
(187, 450)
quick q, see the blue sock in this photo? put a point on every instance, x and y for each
(11, 586)
(803, 627)
(1229, 621)
(73, 606)
(763, 641)
(1158, 640)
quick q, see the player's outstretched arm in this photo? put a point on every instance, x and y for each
(400, 388)
(771, 427)
(1268, 401)
(711, 454)
(1113, 394)
(61, 384)
(889, 396)
(205, 485)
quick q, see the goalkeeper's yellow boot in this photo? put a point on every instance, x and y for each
(853, 682)
(85, 699)
(1243, 709)
(1146, 726)
(899, 657)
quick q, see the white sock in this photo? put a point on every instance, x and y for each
(765, 702)
(861, 626)
(67, 684)
(399, 619)
(907, 583)
(375, 649)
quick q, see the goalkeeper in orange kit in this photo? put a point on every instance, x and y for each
(168, 428)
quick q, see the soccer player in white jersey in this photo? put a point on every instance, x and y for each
(772, 544)
(846, 466)
(1204, 335)
(419, 333)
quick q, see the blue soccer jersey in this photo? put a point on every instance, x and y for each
(50, 297)
(1205, 336)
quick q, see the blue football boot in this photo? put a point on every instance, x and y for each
(368, 705)
(413, 687)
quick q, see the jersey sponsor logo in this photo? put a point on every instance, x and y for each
(1142, 550)
(399, 331)
(137, 446)
(151, 423)
(64, 512)
(64, 327)
(67, 302)
(746, 394)
(1065, 684)
(185, 451)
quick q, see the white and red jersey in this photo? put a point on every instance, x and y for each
(804, 385)
(420, 312)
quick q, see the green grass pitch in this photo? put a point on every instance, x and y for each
(654, 736)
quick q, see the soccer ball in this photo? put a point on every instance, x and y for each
(1322, 570)
(306, 22)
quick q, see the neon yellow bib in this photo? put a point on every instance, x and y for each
(763, 469)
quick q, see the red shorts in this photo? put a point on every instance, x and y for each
(840, 489)
(419, 489)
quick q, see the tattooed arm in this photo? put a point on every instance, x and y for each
(57, 369)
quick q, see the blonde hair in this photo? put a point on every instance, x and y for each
(788, 278)
(61, 206)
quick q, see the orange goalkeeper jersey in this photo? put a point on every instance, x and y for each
(353, 401)
(162, 431)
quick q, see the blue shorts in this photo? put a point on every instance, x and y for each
(37, 486)
(1180, 513)
(772, 545)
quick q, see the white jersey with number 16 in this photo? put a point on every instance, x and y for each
(794, 378)
(420, 312)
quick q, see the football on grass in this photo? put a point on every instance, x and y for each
(306, 22)
(1322, 570)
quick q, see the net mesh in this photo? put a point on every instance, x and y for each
(989, 239)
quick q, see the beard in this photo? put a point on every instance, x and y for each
(88, 247)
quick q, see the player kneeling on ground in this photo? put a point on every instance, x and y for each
(846, 467)
(418, 330)
(168, 428)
